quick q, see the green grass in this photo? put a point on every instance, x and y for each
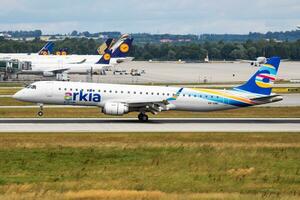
(8, 91)
(11, 84)
(8, 101)
(170, 166)
(90, 112)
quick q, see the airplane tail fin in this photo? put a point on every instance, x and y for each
(105, 58)
(106, 45)
(262, 81)
(47, 49)
(123, 49)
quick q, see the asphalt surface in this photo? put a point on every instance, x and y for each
(154, 125)
(180, 72)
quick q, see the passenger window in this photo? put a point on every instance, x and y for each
(147, 93)
(189, 95)
(134, 92)
(195, 95)
(141, 93)
(116, 92)
(122, 92)
(128, 92)
(152, 93)
(65, 89)
(59, 88)
(110, 91)
(157, 93)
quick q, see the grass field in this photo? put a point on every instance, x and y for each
(8, 101)
(150, 166)
(8, 91)
(91, 112)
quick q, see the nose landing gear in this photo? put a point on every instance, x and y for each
(41, 113)
(143, 117)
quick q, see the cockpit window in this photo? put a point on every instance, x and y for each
(31, 87)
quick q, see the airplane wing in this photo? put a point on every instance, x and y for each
(80, 62)
(58, 71)
(149, 106)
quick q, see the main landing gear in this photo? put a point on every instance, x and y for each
(41, 113)
(143, 117)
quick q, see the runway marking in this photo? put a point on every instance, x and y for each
(151, 120)
(154, 125)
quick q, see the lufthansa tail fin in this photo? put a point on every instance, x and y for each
(47, 49)
(105, 58)
(123, 49)
(106, 45)
(262, 81)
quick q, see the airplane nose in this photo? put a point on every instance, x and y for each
(18, 95)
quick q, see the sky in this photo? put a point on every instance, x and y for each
(150, 16)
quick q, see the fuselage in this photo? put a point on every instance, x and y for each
(95, 94)
(36, 59)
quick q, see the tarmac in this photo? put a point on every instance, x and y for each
(181, 72)
(154, 125)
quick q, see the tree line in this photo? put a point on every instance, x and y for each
(170, 51)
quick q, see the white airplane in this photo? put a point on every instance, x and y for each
(52, 69)
(119, 54)
(47, 49)
(256, 63)
(116, 99)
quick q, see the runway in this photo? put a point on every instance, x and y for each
(154, 125)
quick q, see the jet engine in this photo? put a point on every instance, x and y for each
(112, 108)
(48, 74)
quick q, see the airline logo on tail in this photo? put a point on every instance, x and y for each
(106, 56)
(266, 76)
(105, 59)
(124, 48)
(262, 81)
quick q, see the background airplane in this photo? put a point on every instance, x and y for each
(116, 99)
(47, 49)
(256, 63)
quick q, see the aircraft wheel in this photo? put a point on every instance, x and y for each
(40, 113)
(143, 117)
